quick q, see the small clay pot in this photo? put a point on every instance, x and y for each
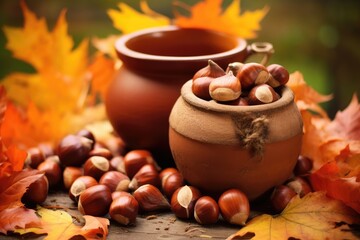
(217, 146)
(156, 62)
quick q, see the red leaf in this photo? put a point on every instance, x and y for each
(347, 123)
(329, 179)
(19, 217)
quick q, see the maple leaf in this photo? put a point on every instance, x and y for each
(314, 216)
(59, 225)
(306, 97)
(329, 178)
(57, 65)
(13, 214)
(128, 20)
(208, 14)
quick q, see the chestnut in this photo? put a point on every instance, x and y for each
(234, 206)
(115, 145)
(171, 182)
(183, 201)
(225, 88)
(95, 201)
(102, 152)
(88, 134)
(79, 185)
(150, 198)
(96, 166)
(300, 186)
(52, 170)
(47, 149)
(136, 159)
(70, 174)
(206, 210)
(37, 191)
(163, 173)
(124, 209)
(252, 74)
(281, 196)
(146, 175)
(235, 67)
(116, 181)
(34, 158)
(303, 166)
(74, 150)
(117, 163)
(262, 94)
(278, 75)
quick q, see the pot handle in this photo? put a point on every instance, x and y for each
(264, 48)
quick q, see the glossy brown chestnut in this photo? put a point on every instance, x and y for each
(206, 210)
(70, 174)
(303, 166)
(95, 201)
(74, 150)
(262, 94)
(171, 182)
(252, 74)
(52, 170)
(146, 175)
(117, 164)
(124, 209)
(34, 157)
(278, 75)
(183, 201)
(150, 198)
(79, 185)
(281, 196)
(163, 173)
(115, 181)
(37, 192)
(101, 152)
(234, 206)
(225, 88)
(96, 166)
(88, 134)
(136, 159)
(300, 186)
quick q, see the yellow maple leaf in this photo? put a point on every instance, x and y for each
(128, 20)
(59, 225)
(313, 217)
(208, 14)
(60, 80)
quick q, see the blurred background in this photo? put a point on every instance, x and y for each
(319, 38)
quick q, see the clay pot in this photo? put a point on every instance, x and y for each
(156, 63)
(217, 146)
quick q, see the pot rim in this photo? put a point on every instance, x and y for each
(122, 49)
(286, 98)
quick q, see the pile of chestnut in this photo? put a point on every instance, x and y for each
(241, 84)
(102, 178)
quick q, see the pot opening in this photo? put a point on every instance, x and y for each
(182, 43)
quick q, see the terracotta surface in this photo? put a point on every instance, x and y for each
(209, 152)
(156, 63)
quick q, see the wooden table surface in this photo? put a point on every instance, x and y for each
(158, 225)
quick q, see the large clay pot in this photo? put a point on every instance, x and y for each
(217, 146)
(156, 62)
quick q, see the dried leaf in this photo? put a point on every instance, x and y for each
(347, 123)
(59, 225)
(128, 20)
(306, 97)
(328, 178)
(208, 14)
(13, 185)
(313, 217)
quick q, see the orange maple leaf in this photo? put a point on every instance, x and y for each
(13, 185)
(128, 20)
(208, 14)
(314, 216)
